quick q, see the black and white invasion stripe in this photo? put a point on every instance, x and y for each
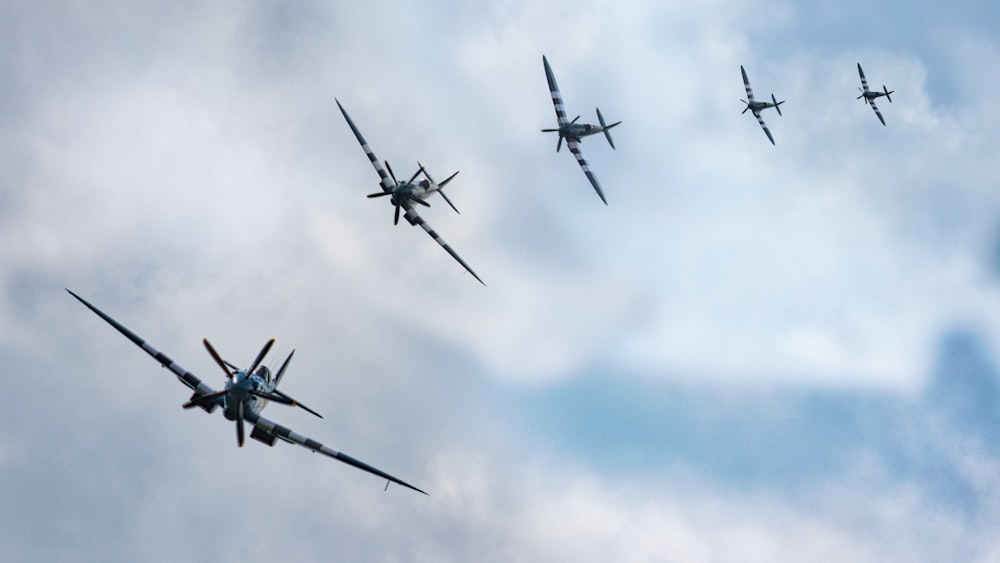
(763, 125)
(557, 100)
(291, 437)
(415, 219)
(186, 377)
(574, 147)
(384, 180)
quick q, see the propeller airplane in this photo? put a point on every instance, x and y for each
(870, 95)
(574, 132)
(405, 194)
(756, 107)
(246, 393)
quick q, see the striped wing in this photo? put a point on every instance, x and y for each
(272, 429)
(877, 112)
(185, 377)
(415, 219)
(864, 82)
(557, 100)
(574, 147)
(746, 84)
(384, 180)
(763, 125)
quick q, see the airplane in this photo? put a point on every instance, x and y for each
(246, 393)
(756, 107)
(870, 95)
(405, 194)
(573, 132)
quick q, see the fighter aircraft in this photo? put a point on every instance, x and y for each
(756, 107)
(406, 194)
(870, 95)
(246, 393)
(573, 132)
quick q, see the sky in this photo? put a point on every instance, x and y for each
(753, 353)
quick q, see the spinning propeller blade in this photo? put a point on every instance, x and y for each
(217, 358)
(415, 174)
(389, 168)
(239, 423)
(260, 356)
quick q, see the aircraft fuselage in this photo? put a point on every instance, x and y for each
(577, 131)
(758, 106)
(239, 391)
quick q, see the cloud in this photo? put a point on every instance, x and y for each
(753, 326)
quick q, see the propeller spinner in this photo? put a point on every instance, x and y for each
(241, 389)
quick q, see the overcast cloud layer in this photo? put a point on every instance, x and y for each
(753, 353)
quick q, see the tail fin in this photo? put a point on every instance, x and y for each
(887, 92)
(606, 127)
(777, 104)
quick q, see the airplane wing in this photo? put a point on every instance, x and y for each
(574, 147)
(746, 84)
(186, 377)
(877, 112)
(384, 180)
(267, 430)
(763, 126)
(414, 219)
(864, 82)
(557, 100)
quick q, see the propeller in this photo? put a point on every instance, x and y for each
(230, 375)
(389, 168)
(746, 108)
(398, 195)
(218, 359)
(777, 104)
(239, 423)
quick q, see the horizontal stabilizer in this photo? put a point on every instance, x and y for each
(606, 128)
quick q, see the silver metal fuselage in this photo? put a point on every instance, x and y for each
(758, 106)
(419, 190)
(577, 131)
(239, 391)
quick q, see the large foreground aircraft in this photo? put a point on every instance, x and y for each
(405, 194)
(246, 393)
(573, 132)
(756, 107)
(870, 95)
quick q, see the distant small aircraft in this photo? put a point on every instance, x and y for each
(870, 95)
(756, 107)
(405, 194)
(247, 392)
(573, 132)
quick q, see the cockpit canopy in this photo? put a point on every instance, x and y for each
(264, 373)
